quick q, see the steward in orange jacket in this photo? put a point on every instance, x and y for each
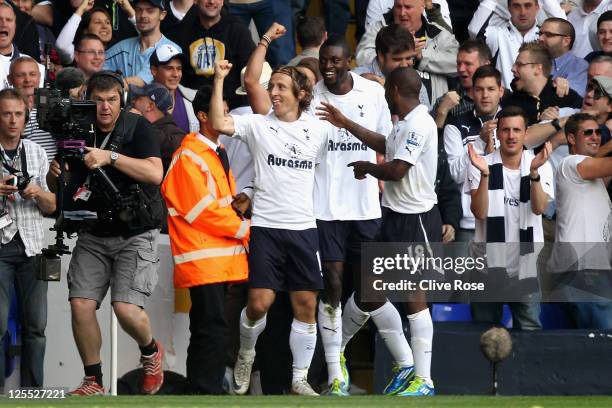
(207, 237)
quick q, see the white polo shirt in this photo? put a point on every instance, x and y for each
(415, 141)
(285, 155)
(338, 195)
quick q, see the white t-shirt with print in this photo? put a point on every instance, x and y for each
(285, 155)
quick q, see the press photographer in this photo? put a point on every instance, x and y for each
(120, 249)
(24, 198)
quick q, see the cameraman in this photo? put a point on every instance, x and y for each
(21, 231)
(120, 249)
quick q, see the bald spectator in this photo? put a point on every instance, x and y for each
(558, 36)
(24, 75)
(436, 47)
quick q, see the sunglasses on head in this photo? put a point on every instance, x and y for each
(589, 132)
(598, 90)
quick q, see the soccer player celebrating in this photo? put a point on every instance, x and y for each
(286, 144)
(344, 224)
(411, 215)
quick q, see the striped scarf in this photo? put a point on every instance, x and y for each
(496, 229)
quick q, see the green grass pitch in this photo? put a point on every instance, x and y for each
(295, 401)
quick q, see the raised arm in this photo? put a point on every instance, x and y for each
(257, 94)
(218, 120)
(541, 132)
(593, 168)
(330, 113)
(65, 39)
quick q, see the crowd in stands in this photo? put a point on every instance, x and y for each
(283, 150)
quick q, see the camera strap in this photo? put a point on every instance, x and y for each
(10, 166)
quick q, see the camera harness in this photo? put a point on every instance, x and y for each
(10, 167)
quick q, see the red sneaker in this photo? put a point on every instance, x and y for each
(88, 387)
(153, 371)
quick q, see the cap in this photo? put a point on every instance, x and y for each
(605, 83)
(264, 78)
(164, 54)
(157, 3)
(156, 92)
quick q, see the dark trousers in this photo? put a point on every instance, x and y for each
(17, 271)
(206, 352)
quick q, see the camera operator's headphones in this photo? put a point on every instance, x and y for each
(114, 75)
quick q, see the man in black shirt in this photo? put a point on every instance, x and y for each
(120, 249)
(533, 86)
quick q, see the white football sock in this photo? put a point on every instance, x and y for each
(352, 320)
(249, 332)
(302, 342)
(330, 327)
(421, 336)
(389, 324)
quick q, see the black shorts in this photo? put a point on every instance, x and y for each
(340, 240)
(284, 260)
(423, 227)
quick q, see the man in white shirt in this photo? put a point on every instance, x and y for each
(411, 215)
(584, 220)
(584, 20)
(504, 40)
(343, 224)
(510, 189)
(286, 146)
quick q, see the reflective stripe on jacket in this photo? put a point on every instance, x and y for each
(207, 238)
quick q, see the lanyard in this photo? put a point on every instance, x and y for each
(10, 167)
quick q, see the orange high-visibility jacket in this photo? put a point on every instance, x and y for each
(207, 238)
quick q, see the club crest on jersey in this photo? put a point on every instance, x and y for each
(345, 136)
(361, 113)
(413, 141)
(306, 135)
(293, 150)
